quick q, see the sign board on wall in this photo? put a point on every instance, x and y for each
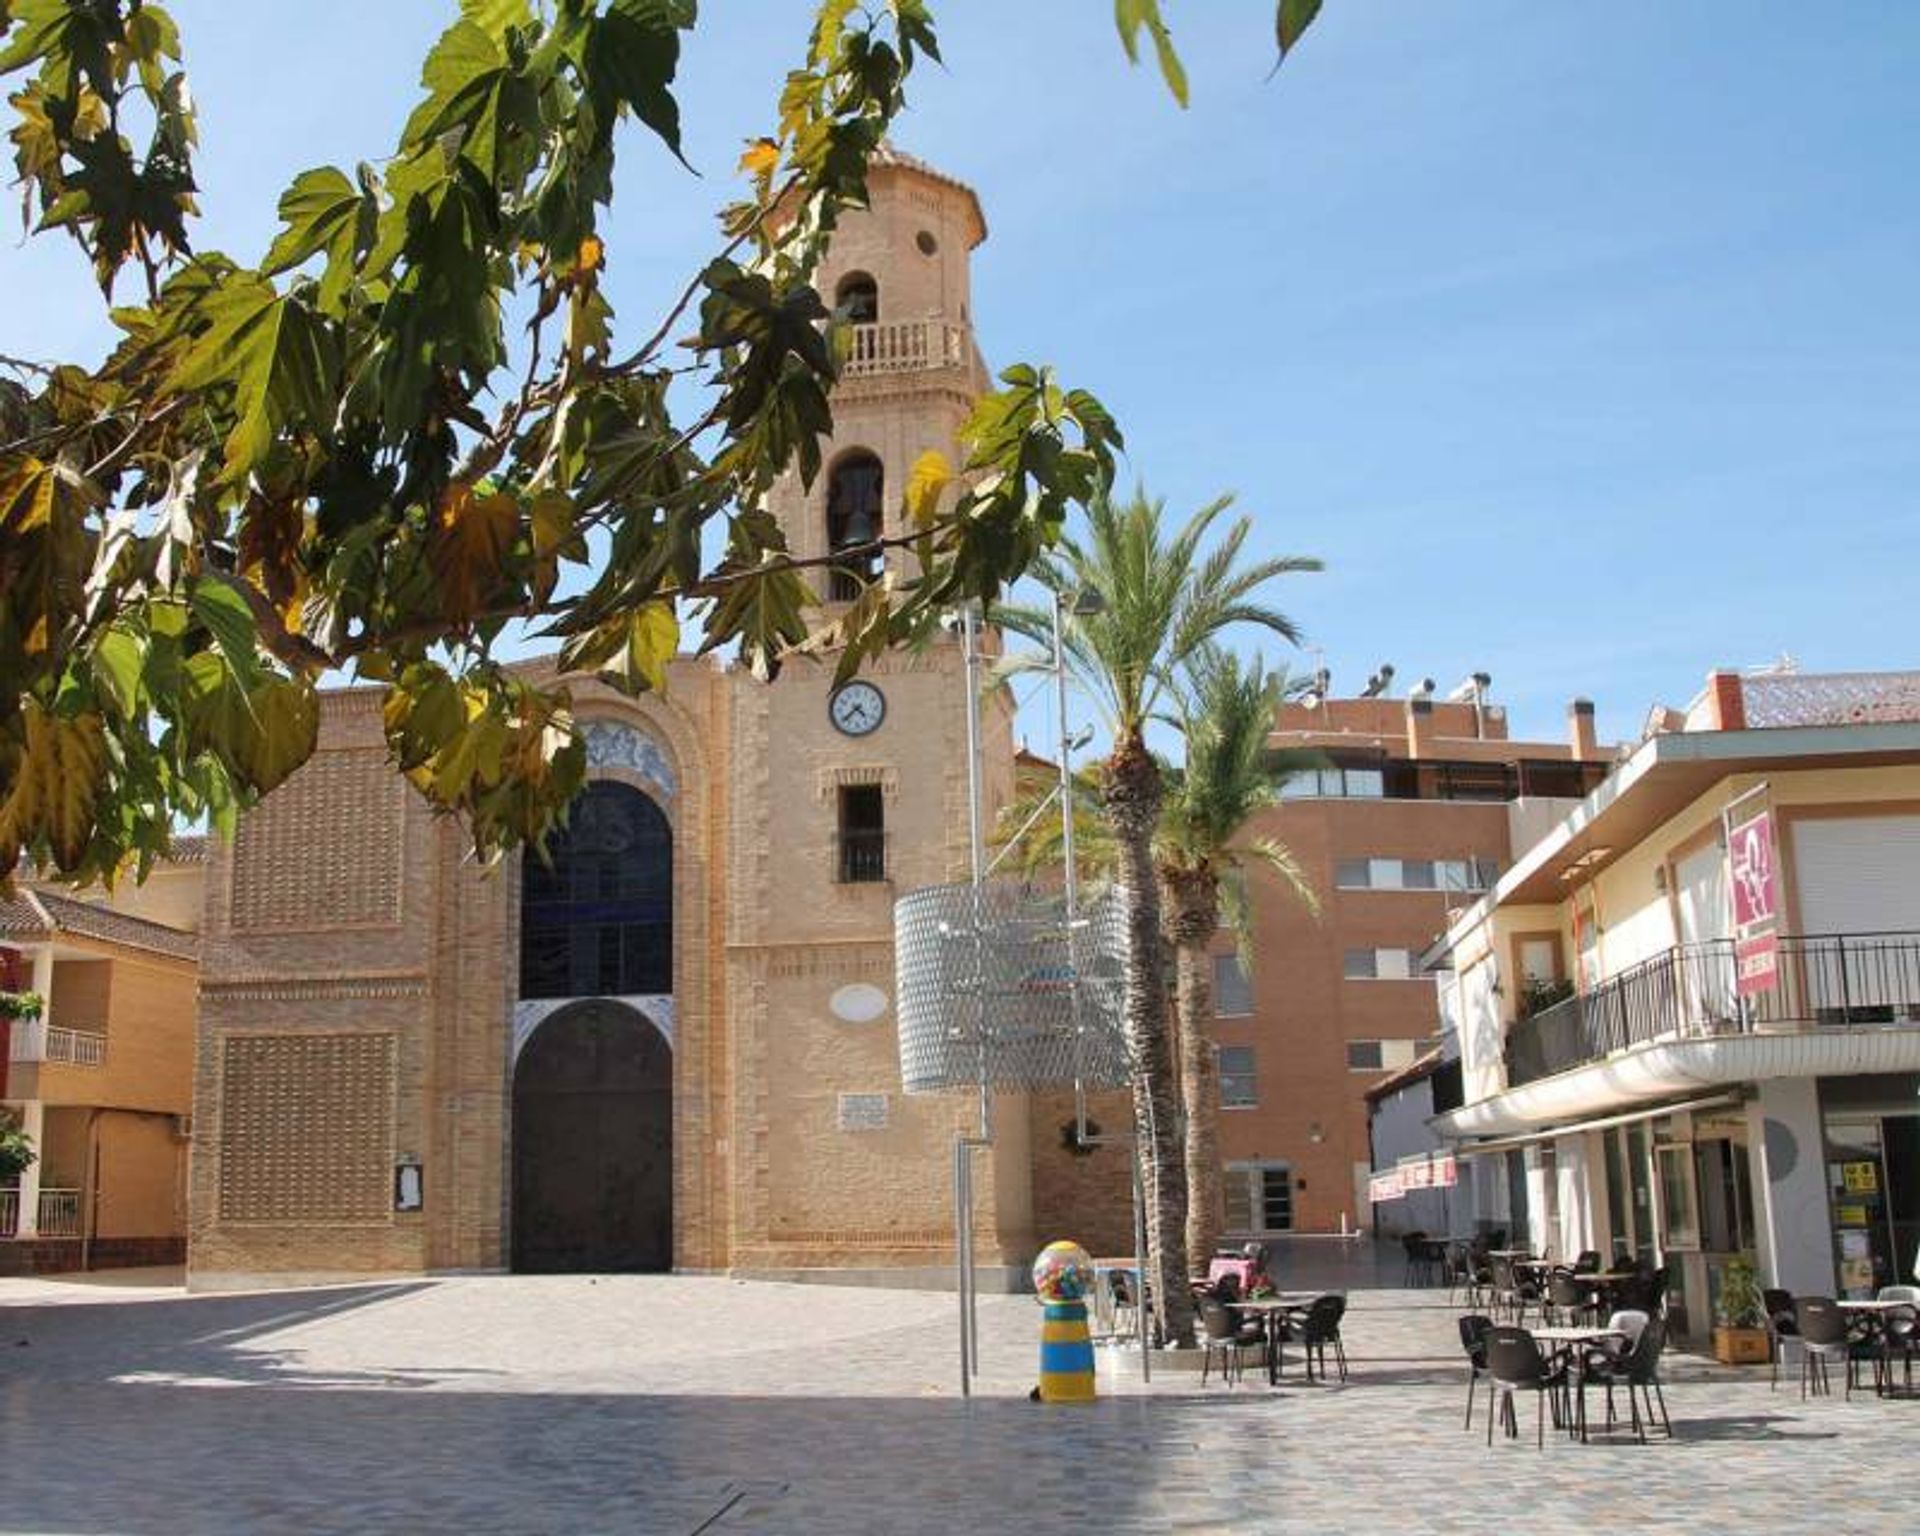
(1753, 878)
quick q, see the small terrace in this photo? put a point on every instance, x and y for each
(35, 1040)
(1825, 981)
(903, 346)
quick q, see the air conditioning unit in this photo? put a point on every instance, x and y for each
(183, 1127)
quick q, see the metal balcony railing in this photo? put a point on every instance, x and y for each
(903, 346)
(1825, 980)
(860, 856)
(59, 1213)
(37, 1040)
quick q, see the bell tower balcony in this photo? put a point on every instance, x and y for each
(879, 348)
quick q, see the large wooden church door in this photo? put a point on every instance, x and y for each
(593, 1144)
(593, 1088)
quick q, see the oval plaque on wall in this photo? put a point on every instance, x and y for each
(858, 1003)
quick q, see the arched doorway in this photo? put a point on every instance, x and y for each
(593, 1085)
(593, 1144)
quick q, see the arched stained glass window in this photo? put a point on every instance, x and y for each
(597, 920)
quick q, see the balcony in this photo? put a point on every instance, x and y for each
(902, 346)
(1687, 993)
(59, 1213)
(35, 1040)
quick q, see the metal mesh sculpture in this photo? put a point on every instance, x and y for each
(995, 988)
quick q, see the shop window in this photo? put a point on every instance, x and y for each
(1679, 1198)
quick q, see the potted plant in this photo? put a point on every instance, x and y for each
(16, 1152)
(22, 1005)
(1740, 1334)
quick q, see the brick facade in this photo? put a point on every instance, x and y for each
(349, 939)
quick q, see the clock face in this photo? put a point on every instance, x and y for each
(857, 709)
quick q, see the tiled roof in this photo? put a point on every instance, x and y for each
(42, 914)
(191, 849)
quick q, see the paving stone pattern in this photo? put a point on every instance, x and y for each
(687, 1404)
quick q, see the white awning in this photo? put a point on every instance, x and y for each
(1607, 1122)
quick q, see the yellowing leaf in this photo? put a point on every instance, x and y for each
(926, 482)
(552, 523)
(653, 640)
(593, 255)
(57, 785)
(760, 157)
(470, 548)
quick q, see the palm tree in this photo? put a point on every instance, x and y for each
(1227, 709)
(1162, 600)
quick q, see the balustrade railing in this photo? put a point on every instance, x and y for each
(903, 346)
(59, 1214)
(36, 1040)
(9, 1212)
(1688, 992)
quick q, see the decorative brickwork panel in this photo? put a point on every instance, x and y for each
(323, 850)
(306, 1128)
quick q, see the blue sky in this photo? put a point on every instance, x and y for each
(1580, 341)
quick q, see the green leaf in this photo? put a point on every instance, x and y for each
(323, 211)
(119, 660)
(1129, 17)
(1291, 21)
(284, 717)
(219, 605)
(276, 355)
(631, 57)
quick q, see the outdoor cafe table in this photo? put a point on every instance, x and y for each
(1569, 1340)
(1272, 1312)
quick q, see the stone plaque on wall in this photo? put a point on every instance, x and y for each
(863, 1111)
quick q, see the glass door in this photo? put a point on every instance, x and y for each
(1857, 1192)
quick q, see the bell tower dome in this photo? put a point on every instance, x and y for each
(897, 275)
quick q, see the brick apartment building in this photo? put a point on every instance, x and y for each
(1419, 806)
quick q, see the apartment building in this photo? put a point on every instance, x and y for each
(1687, 1019)
(1415, 809)
(102, 1079)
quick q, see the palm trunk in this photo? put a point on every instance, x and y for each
(1130, 792)
(1193, 899)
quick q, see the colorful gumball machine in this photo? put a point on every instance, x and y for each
(1063, 1278)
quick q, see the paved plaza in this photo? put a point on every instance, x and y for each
(687, 1404)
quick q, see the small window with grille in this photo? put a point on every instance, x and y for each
(861, 854)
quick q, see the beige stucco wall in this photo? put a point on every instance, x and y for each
(1632, 894)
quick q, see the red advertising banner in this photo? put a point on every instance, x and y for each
(1753, 876)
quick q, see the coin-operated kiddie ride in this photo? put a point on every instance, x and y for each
(1063, 1278)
